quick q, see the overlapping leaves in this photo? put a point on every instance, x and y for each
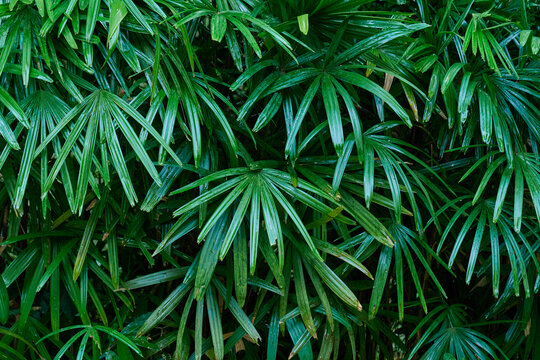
(342, 171)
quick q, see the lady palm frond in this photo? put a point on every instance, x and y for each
(317, 179)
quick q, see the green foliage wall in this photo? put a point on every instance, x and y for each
(248, 179)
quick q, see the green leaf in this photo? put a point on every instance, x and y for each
(218, 27)
(302, 296)
(120, 337)
(87, 235)
(294, 216)
(362, 82)
(136, 13)
(238, 314)
(236, 220)
(240, 268)
(501, 193)
(91, 17)
(346, 257)
(450, 76)
(215, 323)
(165, 308)
(303, 23)
(209, 258)
(331, 280)
(486, 117)
(333, 113)
(383, 268)
(254, 224)
(8, 134)
(268, 112)
(26, 62)
(301, 113)
(247, 34)
(273, 336)
(375, 41)
(4, 302)
(118, 12)
(13, 107)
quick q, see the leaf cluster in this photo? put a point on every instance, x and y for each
(229, 179)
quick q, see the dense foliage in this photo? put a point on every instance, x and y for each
(266, 179)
